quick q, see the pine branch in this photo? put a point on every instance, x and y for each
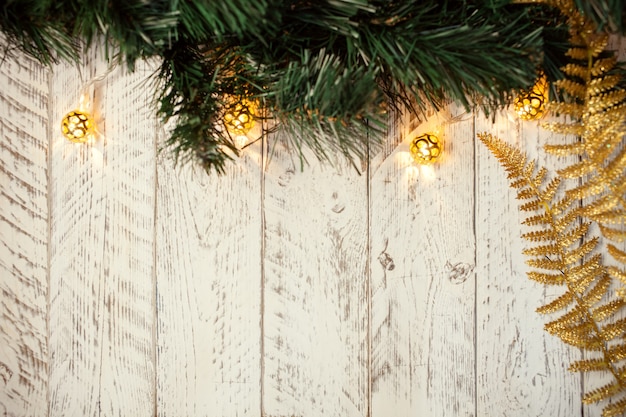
(325, 70)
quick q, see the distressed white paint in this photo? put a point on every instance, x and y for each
(520, 367)
(209, 271)
(24, 351)
(422, 260)
(130, 287)
(102, 199)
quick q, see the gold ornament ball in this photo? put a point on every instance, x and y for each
(239, 116)
(426, 149)
(77, 126)
(531, 104)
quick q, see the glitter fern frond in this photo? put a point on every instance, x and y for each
(596, 113)
(562, 253)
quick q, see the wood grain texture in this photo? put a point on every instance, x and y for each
(209, 243)
(24, 100)
(422, 261)
(522, 370)
(315, 289)
(102, 238)
(593, 380)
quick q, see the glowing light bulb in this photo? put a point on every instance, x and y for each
(426, 149)
(239, 116)
(531, 104)
(77, 126)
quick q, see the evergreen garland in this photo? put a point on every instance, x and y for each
(327, 71)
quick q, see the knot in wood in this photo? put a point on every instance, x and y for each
(459, 272)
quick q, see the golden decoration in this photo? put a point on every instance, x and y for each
(531, 104)
(239, 115)
(426, 149)
(597, 118)
(563, 254)
(77, 126)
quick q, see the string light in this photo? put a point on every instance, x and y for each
(531, 104)
(77, 126)
(239, 116)
(426, 149)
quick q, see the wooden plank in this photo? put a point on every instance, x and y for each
(594, 380)
(24, 99)
(315, 289)
(522, 370)
(102, 236)
(209, 241)
(422, 261)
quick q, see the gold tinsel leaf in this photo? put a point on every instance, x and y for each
(561, 206)
(602, 84)
(540, 177)
(614, 409)
(597, 43)
(547, 279)
(610, 217)
(519, 183)
(557, 304)
(616, 235)
(617, 353)
(580, 336)
(538, 219)
(598, 291)
(615, 168)
(527, 171)
(604, 101)
(617, 274)
(567, 320)
(542, 250)
(544, 263)
(526, 194)
(607, 310)
(587, 189)
(549, 191)
(612, 330)
(579, 253)
(601, 205)
(590, 267)
(587, 365)
(577, 53)
(533, 205)
(582, 275)
(566, 149)
(570, 109)
(566, 220)
(583, 282)
(603, 65)
(539, 235)
(602, 393)
(575, 234)
(617, 254)
(565, 128)
(577, 170)
(613, 116)
(573, 88)
(575, 70)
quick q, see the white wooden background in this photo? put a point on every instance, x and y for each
(130, 287)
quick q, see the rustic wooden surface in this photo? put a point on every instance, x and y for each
(102, 232)
(24, 240)
(131, 287)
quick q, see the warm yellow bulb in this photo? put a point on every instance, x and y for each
(77, 126)
(531, 104)
(239, 116)
(426, 149)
